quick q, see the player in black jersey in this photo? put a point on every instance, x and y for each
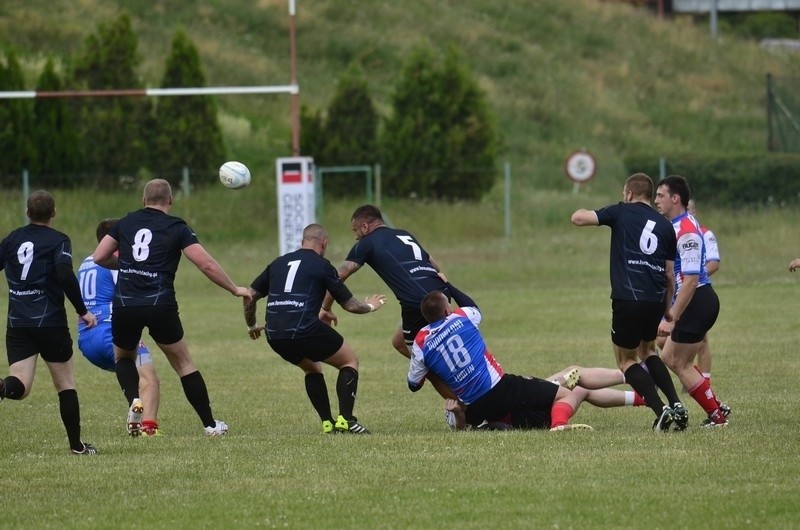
(643, 250)
(406, 268)
(150, 243)
(38, 264)
(295, 285)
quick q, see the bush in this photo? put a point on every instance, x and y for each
(731, 180)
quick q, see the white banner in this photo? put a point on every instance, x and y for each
(296, 200)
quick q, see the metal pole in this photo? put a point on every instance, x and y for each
(662, 168)
(769, 111)
(26, 190)
(295, 96)
(507, 208)
(713, 17)
(378, 185)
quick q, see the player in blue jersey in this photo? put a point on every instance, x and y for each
(97, 290)
(150, 243)
(696, 306)
(295, 285)
(403, 264)
(642, 259)
(452, 347)
(37, 260)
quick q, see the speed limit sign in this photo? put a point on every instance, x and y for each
(580, 166)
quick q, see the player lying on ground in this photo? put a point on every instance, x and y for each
(587, 384)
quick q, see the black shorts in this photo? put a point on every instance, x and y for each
(128, 323)
(698, 317)
(53, 344)
(412, 322)
(518, 396)
(316, 346)
(634, 321)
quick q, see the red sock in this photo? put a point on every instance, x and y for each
(704, 396)
(638, 401)
(149, 424)
(560, 414)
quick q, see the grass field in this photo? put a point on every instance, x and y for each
(545, 300)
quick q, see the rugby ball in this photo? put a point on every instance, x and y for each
(234, 175)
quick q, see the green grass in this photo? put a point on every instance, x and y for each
(545, 299)
(559, 75)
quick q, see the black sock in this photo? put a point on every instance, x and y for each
(642, 383)
(317, 392)
(660, 374)
(194, 387)
(14, 388)
(128, 377)
(71, 417)
(346, 387)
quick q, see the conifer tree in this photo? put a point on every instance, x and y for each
(56, 138)
(440, 140)
(114, 130)
(187, 130)
(17, 148)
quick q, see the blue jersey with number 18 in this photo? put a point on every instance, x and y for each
(454, 350)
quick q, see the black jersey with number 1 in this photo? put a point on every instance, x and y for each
(295, 285)
(31, 256)
(150, 247)
(642, 240)
(401, 262)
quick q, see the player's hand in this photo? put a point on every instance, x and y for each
(376, 301)
(255, 333)
(328, 317)
(243, 292)
(90, 319)
(794, 265)
(668, 315)
(665, 328)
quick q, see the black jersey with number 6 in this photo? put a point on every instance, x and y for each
(29, 256)
(401, 262)
(642, 240)
(150, 247)
(295, 285)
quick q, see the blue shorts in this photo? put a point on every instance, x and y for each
(97, 346)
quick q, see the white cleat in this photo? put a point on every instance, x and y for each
(135, 418)
(572, 427)
(220, 428)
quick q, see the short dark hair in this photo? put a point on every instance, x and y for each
(104, 227)
(41, 206)
(641, 185)
(434, 306)
(677, 185)
(367, 213)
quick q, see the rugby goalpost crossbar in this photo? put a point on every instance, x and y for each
(147, 92)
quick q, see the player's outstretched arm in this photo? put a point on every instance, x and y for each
(249, 303)
(584, 217)
(370, 304)
(105, 253)
(213, 270)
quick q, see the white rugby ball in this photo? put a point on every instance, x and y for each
(234, 175)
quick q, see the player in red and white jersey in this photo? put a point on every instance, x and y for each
(712, 265)
(696, 305)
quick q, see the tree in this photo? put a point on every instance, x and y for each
(114, 130)
(17, 148)
(187, 131)
(349, 134)
(440, 141)
(55, 135)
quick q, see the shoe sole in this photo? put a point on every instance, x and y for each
(135, 418)
(572, 427)
(571, 378)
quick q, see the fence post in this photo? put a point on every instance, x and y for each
(507, 201)
(26, 190)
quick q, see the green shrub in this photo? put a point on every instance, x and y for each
(731, 180)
